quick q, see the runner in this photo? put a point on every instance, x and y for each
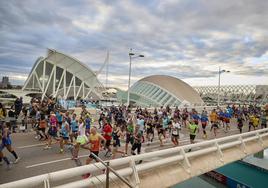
(256, 122)
(160, 130)
(95, 145)
(220, 121)
(74, 128)
(6, 142)
(137, 142)
(193, 130)
(3, 114)
(59, 118)
(129, 133)
(81, 140)
(214, 122)
(88, 123)
(107, 134)
(185, 116)
(176, 127)
(263, 120)
(42, 127)
(165, 124)
(140, 123)
(226, 120)
(52, 130)
(204, 123)
(64, 134)
(3, 157)
(149, 131)
(250, 122)
(240, 121)
(117, 133)
(195, 117)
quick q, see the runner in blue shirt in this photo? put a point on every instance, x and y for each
(195, 117)
(227, 117)
(204, 122)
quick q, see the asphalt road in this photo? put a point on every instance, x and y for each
(36, 161)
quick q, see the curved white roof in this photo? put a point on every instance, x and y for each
(177, 87)
(59, 74)
(162, 90)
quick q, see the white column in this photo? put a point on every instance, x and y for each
(48, 82)
(44, 75)
(64, 83)
(74, 85)
(54, 80)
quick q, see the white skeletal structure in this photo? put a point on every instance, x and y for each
(59, 75)
(235, 92)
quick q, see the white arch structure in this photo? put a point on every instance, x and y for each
(162, 90)
(60, 75)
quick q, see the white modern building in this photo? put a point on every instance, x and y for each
(62, 76)
(234, 93)
(161, 90)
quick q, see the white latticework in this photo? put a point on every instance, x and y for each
(234, 92)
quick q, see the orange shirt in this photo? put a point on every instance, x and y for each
(95, 142)
(213, 116)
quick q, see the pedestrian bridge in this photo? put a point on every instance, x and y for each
(163, 168)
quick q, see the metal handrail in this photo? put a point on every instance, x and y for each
(111, 169)
(206, 147)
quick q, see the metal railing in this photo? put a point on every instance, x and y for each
(129, 170)
(108, 169)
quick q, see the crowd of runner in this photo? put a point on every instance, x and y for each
(113, 125)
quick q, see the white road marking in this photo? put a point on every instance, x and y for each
(29, 146)
(55, 161)
(34, 145)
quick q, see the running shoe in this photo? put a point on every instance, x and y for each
(17, 160)
(47, 147)
(124, 155)
(9, 166)
(74, 158)
(61, 151)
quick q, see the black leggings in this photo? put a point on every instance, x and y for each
(136, 146)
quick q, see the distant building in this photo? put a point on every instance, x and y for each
(234, 93)
(5, 83)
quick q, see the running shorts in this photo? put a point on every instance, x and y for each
(92, 156)
(192, 137)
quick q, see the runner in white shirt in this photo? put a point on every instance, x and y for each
(81, 140)
(175, 132)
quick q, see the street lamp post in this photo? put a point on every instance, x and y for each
(131, 56)
(219, 84)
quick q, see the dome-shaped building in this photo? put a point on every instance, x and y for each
(161, 90)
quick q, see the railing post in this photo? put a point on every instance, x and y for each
(135, 176)
(243, 146)
(260, 139)
(107, 174)
(186, 164)
(219, 152)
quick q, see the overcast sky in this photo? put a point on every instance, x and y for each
(188, 39)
